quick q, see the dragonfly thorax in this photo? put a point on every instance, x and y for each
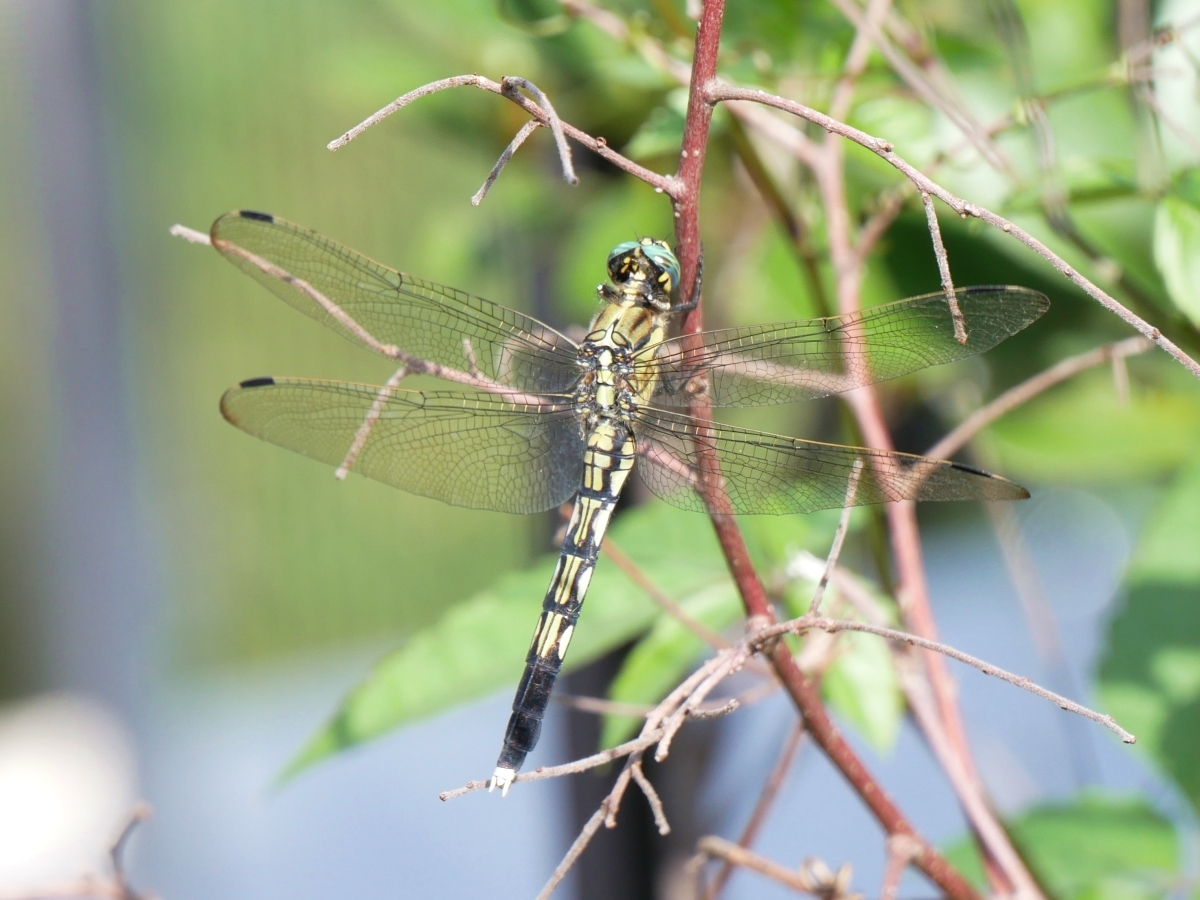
(604, 389)
(643, 273)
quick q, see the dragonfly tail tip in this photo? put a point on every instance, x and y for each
(502, 778)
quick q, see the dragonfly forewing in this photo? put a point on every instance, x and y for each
(769, 364)
(388, 311)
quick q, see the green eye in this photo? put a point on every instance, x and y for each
(662, 257)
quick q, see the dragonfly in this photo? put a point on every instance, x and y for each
(542, 419)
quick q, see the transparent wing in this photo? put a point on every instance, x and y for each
(767, 364)
(467, 449)
(771, 474)
(379, 307)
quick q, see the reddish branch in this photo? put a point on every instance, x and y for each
(803, 691)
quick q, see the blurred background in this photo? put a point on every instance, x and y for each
(181, 607)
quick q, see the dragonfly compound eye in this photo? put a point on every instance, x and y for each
(622, 261)
(665, 262)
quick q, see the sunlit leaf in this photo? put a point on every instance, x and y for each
(663, 657)
(1177, 252)
(1080, 432)
(662, 132)
(1095, 846)
(861, 687)
(1150, 674)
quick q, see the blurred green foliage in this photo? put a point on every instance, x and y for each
(1150, 675)
(1095, 847)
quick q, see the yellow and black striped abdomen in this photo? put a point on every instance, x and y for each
(608, 462)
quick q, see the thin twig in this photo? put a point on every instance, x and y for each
(800, 687)
(601, 706)
(943, 264)
(922, 86)
(1030, 388)
(720, 92)
(641, 742)
(900, 852)
(839, 536)
(526, 130)
(766, 800)
(659, 596)
(597, 145)
(835, 625)
(656, 806)
(713, 847)
(857, 57)
(1146, 95)
(580, 844)
(510, 85)
(364, 430)
(191, 235)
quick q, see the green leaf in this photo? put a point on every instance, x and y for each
(1080, 432)
(662, 132)
(663, 657)
(861, 686)
(1096, 846)
(481, 644)
(1150, 674)
(1168, 547)
(1177, 253)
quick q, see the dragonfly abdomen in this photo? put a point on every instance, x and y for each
(607, 464)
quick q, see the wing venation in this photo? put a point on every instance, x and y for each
(467, 449)
(378, 307)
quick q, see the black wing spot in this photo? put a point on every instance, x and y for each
(963, 466)
(257, 216)
(257, 382)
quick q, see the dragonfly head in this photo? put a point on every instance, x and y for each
(646, 270)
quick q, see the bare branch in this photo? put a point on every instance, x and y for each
(1030, 388)
(656, 806)
(580, 844)
(510, 85)
(364, 430)
(713, 847)
(597, 145)
(943, 264)
(601, 706)
(857, 57)
(641, 742)
(1146, 95)
(659, 596)
(921, 85)
(526, 130)
(766, 799)
(191, 235)
(900, 852)
(835, 625)
(838, 536)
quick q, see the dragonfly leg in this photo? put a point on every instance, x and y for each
(694, 300)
